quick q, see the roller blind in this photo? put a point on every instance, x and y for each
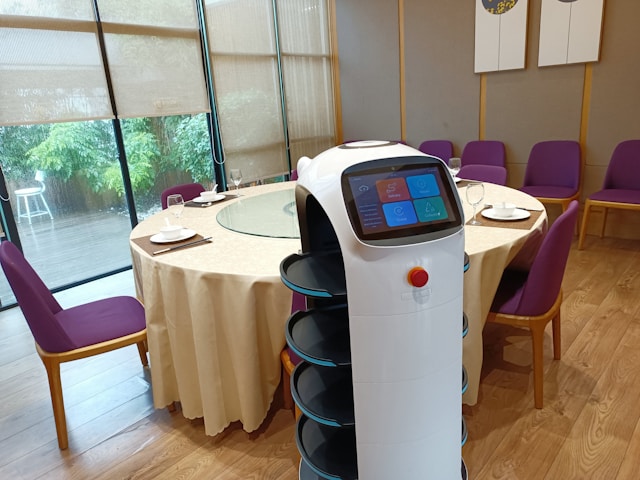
(306, 65)
(50, 64)
(247, 86)
(155, 58)
(51, 67)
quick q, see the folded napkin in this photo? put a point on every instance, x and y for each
(150, 247)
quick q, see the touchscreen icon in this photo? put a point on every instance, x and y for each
(399, 213)
(392, 190)
(431, 209)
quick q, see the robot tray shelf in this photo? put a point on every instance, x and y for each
(324, 394)
(318, 275)
(329, 451)
(320, 336)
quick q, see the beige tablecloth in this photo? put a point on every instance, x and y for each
(216, 313)
(215, 318)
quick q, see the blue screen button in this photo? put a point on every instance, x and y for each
(399, 213)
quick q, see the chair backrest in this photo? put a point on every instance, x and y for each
(189, 191)
(545, 276)
(36, 301)
(484, 173)
(443, 149)
(623, 171)
(40, 179)
(487, 152)
(554, 163)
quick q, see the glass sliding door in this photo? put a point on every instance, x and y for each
(64, 188)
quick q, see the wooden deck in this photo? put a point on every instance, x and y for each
(70, 249)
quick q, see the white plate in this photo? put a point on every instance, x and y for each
(518, 214)
(457, 179)
(217, 198)
(159, 238)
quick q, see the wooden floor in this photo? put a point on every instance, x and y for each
(589, 428)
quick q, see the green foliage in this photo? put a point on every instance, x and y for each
(84, 148)
(193, 148)
(153, 146)
(15, 142)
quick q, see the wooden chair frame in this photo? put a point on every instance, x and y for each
(287, 370)
(536, 325)
(605, 206)
(52, 363)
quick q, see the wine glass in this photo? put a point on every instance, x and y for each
(235, 175)
(475, 194)
(454, 166)
(175, 205)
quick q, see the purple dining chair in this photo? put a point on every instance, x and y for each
(621, 187)
(532, 299)
(553, 172)
(62, 335)
(484, 173)
(189, 191)
(485, 152)
(443, 149)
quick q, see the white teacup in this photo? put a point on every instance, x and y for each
(209, 195)
(171, 232)
(503, 209)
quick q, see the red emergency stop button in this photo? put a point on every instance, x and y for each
(418, 277)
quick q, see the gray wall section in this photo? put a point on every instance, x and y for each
(369, 56)
(534, 104)
(443, 93)
(522, 106)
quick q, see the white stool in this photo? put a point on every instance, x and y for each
(40, 204)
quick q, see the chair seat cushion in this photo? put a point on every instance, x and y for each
(549, 191)
(102, 320)
(510, 290)
(617, 195)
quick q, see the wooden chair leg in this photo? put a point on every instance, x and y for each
(55, 387)
(287, 398)
(142, 351)
(557, 339)
(604, 221)
(583, 226)
(537, 341)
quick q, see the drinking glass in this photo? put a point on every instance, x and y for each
(175, 205)
(475, 194)
(235, 175)
(454, 166)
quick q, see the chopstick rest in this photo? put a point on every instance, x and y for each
(184, 245)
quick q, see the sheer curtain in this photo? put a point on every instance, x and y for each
(251, 95)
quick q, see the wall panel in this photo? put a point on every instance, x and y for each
(534, 104)
(442, 92)
(368, 51)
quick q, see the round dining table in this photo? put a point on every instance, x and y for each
(216, 311)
